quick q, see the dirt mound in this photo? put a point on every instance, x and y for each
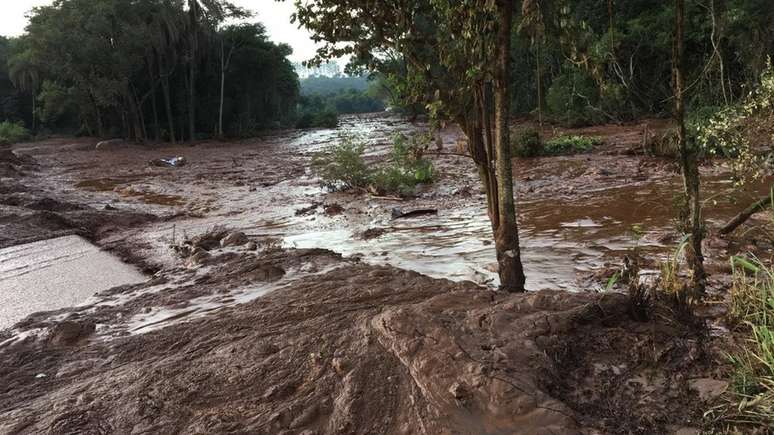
(358, 349)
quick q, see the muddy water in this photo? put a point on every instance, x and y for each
(56, 273)
(576, 213)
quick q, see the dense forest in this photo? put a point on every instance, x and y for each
(160, 69)
(576, 62)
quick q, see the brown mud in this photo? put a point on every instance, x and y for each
(357, 349)
(290, 338)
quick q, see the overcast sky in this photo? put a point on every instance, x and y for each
(275, 16)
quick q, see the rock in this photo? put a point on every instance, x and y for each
(108, 144)
(251, 246)
(198, 258)
(372, 233)
(709, 388)
(237, 238)
(68, 332)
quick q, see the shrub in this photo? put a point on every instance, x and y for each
(570, 144)
(664, 144)
(527, 143)
(12, 132)
(341, 165)
(325, 118)
(571, 99)
(406, 167)
(743, 131)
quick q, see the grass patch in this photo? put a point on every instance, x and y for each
(752, 304)
(12, 132)
(341, 166)
(570, 144)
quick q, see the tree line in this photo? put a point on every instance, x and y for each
(146, 69)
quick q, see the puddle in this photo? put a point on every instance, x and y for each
(56, 273)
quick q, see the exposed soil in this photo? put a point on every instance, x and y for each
(358, 349)
(275, 336)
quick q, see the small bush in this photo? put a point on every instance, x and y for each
(664, 144)
(569, 144)
(527, 143)
(406, 167)
(341, 165)
(12, 132)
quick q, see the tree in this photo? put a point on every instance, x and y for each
(691, 207)
(457, 56)
(24, 72)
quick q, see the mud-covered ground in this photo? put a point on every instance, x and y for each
(281, 336)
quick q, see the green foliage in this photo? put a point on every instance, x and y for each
(13, 132)
(744, 131)
(570, 144)
(752, 304)
(527, 142)
(322, 118)
(406, 166)
(323, 85)
(572, 98)
(125, 67)
(341, 166)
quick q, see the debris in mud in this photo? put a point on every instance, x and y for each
(109, 144)
(397, 213)
(303, 211)
(171, 162)
(236, 238)
(333, 209)
(372, 233)
(12, 164)
(68, 332)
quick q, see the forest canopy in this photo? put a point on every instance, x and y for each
(161, 69)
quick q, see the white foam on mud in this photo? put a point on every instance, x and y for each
(56, 273)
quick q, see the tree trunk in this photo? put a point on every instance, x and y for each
(222, 88)
(154, 107)
(507, 235)
(539, 83)
(757, 206)
(688, 160)
(168, 107)
(33, 112)
(193, 14)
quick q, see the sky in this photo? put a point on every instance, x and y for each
(275, 16)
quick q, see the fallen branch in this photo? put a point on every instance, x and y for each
(739, 219)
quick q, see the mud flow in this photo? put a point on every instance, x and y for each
(258, 302)
(576, 213)
(56, 273)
